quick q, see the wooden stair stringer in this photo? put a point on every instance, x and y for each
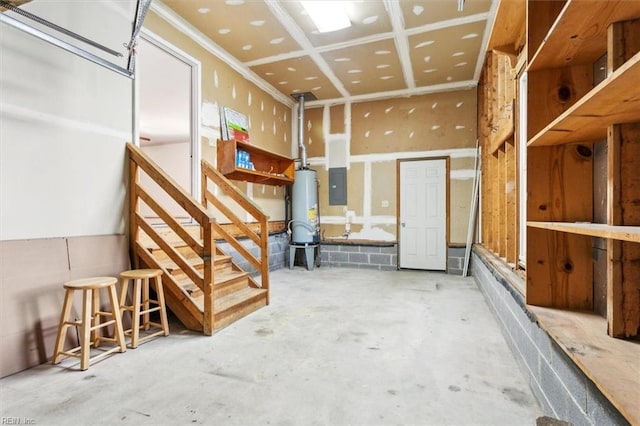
(236, 293)
(177, 299)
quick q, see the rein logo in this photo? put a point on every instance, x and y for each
(16, 421)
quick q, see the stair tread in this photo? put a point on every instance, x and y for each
(170, 236)
(220, 277)
(170, 265)
(223, 277)
(194, 261)
(233, 299)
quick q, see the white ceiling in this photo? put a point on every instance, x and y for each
(393, 48)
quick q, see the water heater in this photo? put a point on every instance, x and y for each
(305, 224)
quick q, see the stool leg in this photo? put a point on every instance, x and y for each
(145, 303)
(62, 327)
(95, 317)
(85, 334)
(163, 308)
(135, 314)
(123, 295)
(118, 333)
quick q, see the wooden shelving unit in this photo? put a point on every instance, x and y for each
(570, 118)
(564, 109)
(578, 35)
(611, 102)
(270, 168)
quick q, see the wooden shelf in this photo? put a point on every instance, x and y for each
(622, 233)
(612, 364)
(270, 168)
(579, 34)
(614, 101)
(508, 31)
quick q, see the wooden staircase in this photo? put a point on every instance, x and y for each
(235, 292)
(204, 287)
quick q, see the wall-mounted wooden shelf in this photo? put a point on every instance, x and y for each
(579, 34)
(622, 233)
(611, 102)
(270, 168)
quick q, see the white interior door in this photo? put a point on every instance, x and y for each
(423, 214)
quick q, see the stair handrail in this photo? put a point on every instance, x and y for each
(261, 238)
(206, 249)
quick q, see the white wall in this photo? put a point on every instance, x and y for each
(64, 123)
(175, 160)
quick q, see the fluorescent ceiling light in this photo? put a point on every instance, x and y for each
(327, 15)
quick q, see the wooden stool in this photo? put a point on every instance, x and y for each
(90, 321)
(140, 279)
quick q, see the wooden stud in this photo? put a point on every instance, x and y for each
(511, 204)
(623, 42)
(501, 211)
(623, 190)
(502, 120)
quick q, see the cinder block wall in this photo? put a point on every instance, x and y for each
(455, 260)
(562, 389)
(384, 258)
(379, 257)
(278, 244)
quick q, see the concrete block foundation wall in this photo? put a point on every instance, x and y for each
(455, 260)
(563, 390)
(278, 245)
(381, 257)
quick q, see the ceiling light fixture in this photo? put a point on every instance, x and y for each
(327, 15)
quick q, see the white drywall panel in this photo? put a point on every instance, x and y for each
(64, 123)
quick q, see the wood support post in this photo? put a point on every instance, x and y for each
(623, 258)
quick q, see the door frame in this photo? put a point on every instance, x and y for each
(196, 94)
(447, 203)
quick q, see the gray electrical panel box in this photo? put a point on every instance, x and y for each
(338, 186)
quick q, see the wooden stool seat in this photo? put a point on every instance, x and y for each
(141, 304)
(90, 321)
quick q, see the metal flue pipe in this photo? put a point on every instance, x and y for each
(301, 97)
(303, 148)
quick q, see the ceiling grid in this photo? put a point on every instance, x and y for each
(393, 48)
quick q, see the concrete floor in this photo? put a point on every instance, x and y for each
(336, 346)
